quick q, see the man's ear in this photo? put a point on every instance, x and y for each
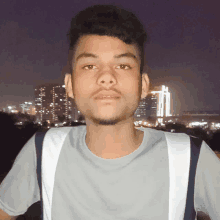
(145, 85)
(68, 85)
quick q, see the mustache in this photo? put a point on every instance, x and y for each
(109, 90)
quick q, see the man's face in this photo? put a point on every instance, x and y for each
(106, 79)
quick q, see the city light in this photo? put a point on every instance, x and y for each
(52, 103)
(163, 102)
(197, 123)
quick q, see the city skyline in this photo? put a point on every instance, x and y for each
(154, 93)
(53, 107)
(50, 100)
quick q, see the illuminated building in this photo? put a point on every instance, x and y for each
(28, 107)
(43, 100)
(11, 109)
(156, 104)
(62, 107)
(160, 102)
(52, 104)
(143, 110)
(152, 99)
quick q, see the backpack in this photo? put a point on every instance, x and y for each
(182, 149)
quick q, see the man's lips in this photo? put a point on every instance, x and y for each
(107, 97)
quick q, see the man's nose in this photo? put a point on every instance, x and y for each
(107, 79)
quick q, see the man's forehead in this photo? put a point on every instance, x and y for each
(91, 45)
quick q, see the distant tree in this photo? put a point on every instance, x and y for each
(28, 130)
(24, 117)
(10, 141)
(151, 120)
(61, 118)
(81, 118)
(44, 124)
(177, 127)
(76, 123)
(13, 138)
(160, 128)
(198, 132)
(7, 120)
(215, 141)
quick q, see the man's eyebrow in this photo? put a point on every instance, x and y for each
(131, 55)
(86, 55)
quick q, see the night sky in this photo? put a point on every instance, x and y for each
(183, 48)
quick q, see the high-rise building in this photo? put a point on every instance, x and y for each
(52, 104)
(143, 110)
(156, 104)
(160, 102)
(152, 100)
(62, 107)
(44, 102)
(28, 107)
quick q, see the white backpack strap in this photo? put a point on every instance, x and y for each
(52, 144)
(179, 165)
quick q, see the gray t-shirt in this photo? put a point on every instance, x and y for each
(135, 186)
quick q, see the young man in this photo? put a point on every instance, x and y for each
(107, 169)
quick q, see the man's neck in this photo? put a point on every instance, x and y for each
(113, 141)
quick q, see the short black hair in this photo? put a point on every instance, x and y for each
(107, 20)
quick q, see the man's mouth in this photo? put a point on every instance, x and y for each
(108, 97)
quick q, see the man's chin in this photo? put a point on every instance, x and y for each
(106, 121)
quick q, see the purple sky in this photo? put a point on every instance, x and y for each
(183, 49)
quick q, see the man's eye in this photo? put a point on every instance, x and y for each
(89, 67)
(124, 66)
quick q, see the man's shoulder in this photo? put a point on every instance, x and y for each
(150, 130)
(65, 130)
(154, 132)
(169, 137)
